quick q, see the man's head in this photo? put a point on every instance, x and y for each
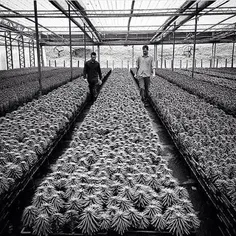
(145, 50)
(93, 56)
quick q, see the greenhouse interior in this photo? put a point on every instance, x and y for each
(117, 117)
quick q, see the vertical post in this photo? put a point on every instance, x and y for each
(225, 62)
(173, 53)
(64, 63)
(84, 45)
(232, 59)
(55, 62)
(38, 47)
(78, 63)
(21, 51)
(93, 45)
(156, 63)
(49, 63)
(165, 63)
(217, 62)
(161, 51)
(201, 63)
(128, 65)
(31, 53)
(210, 63)
(186, 64)
(41, 55)
(212, 55)
(155, 52)
(71, 72)
(98, 53)
(132, 56)
(194, 45)
(8, 47)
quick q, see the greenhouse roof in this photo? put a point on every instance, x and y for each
(120, 22)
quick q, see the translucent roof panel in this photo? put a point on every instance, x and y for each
(211, 21)
(124, 6)
(114, 16)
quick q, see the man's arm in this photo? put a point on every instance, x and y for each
(153, 68)
(137, 67)
(99, 71)
(85, 70)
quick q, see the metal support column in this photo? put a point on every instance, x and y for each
(84, 45)
(93, 45)
(194, 45)
(173, 53)
(213, 55)
(161, 51)
(38, 47)
(41, 55)
(8, 46)
(71, 70)
(232, 59)
(21, 50)
(31, 53)
(98, 53)
(132, 56)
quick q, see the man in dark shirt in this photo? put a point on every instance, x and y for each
(91, 72)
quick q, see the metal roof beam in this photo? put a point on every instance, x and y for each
(19, 15)
(212, 26)
(180, 20)
(103, 14)
(16, 28)
(60, 8)
(82, 11)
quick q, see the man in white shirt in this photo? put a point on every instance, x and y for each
(145, 71)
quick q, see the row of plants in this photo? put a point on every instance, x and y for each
(229, 70)
(28, 132)
(13, 97)
(113, 177)
(224, 98)
(228, 73)
(212, 79)
(5, 74)
(18, 80)
(206, 134)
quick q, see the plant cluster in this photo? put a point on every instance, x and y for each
(27, 133)
(223, 97)
(206, 134)
(222, 81)
(17, 90)
(228, 73)
(113, 176)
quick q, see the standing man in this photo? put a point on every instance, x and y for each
(92, 72)
(145, 71)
